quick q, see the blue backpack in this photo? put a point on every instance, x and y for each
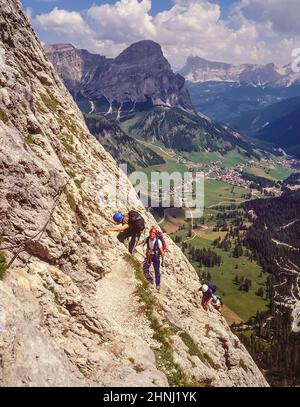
(216, 298)
(212, 287)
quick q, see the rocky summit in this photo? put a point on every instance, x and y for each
(75, 309)
(167, 116)
(139, 77)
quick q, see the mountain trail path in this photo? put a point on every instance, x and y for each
(116, 299)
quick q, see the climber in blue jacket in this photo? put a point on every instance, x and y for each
(129, 225)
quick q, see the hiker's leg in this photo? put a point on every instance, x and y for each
(146, 268)
(156, 265)
(205, 302)
(124, 235)
(134, 241)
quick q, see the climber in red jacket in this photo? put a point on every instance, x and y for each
(156, 245)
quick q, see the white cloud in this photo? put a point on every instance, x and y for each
(126, 20)
(196, 28)
(109, 48)
(284, 15)
(29, 13)
(70, 26)
(189, 27)
(63, 22)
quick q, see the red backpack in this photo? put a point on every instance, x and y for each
(162, 239)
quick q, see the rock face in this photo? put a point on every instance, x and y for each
(75, 66)
(140, 76)
(198, 69)
(72, 305)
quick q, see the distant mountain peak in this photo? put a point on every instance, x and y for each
(196, 60)
(143, 49)
(140, 75)
(58, 47)
(198, 70)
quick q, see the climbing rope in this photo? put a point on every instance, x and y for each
(37, 237)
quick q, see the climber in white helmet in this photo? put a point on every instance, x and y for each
(208, 290)
(217, 303)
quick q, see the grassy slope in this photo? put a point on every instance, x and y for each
(125, 125)
(233, 158)
(202, 157)
(272, 172)
(218, 191)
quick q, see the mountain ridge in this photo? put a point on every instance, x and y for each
(277, 124)
(254, 121)
(283, 132)
(197, 70)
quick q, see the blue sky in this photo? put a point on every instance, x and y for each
(40, 6)
(235, 31)
(44, 6)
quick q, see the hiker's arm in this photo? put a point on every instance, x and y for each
(118, 228)
(162, 257)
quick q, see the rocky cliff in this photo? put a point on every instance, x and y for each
(74, 307)
(74, 65)
(139, 77)
(199, 69)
